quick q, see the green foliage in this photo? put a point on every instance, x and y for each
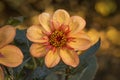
(85, 71)
(22, 42)
(31, 68)
(15, 20)
(88, 72)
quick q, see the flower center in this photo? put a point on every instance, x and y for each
(58, 38)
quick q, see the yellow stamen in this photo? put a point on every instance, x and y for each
(58, 38)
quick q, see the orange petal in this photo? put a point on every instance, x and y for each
(61, 16)
(52, 58)
(11, 56)
(38, 50)
(35, 34)
(7, 34)
(69, 57)
(80, 42)
(1, 74)
(44, 19)
(76, 24)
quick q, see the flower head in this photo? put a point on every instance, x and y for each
(58, 37)
(10, 55)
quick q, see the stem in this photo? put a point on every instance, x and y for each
(7, 71)
(35, 63)
(41, 62)
(67, 71)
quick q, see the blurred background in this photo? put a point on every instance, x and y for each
(102, 17)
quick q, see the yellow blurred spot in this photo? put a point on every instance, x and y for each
(49, 9)
(34, 19)
(94, 35)
(81, 13)
(21, 27)
(105, 7)
(105, 44)
(113, 35)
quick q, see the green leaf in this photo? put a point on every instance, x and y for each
(88, 65)
(52, 76)
(15, 20)
(22, 42)
(41, 73)
(60, 67)
(91, 69)
(20, 67)
(84, 58)
(91, 51)
(38, 74)
(88, 72)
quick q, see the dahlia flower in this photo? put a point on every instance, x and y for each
(10, 55)
(58, 37)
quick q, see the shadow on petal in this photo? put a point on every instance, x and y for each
(38, 50)
(69, 57)
(12, 56)
(35, 34)
(52, 58)
(7, 34)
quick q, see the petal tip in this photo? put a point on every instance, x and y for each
(11, 60)
(52, 59)
(7, 34)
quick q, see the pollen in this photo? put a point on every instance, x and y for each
(57, 38)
